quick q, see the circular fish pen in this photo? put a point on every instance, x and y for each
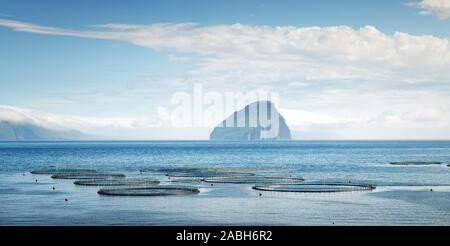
(208, 173)
(196, 172)
(315, 187)
(417, 163)
(63, 171)
(165, 170)
(117, 182)
(183, 180)
(88, 176)
(150, 191)
(254, 180)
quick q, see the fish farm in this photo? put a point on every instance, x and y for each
(314, 187)
(150, 191)
(169, 181)
(117, 182)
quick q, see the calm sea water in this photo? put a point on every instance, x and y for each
(402, 197)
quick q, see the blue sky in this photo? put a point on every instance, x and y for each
(387, 15)
(127, 76)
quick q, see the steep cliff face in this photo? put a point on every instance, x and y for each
(257, 121)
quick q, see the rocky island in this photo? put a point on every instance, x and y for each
(259, 120)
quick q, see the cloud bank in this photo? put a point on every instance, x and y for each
(336, 82)
(104, 128)
(438, 8)
(50, 121)
(303, 124)
(262, 54)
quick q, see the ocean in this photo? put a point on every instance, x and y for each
(404, 195)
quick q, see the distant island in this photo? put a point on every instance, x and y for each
(257, 121)
(21, 131)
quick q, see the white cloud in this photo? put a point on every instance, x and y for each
(350, 83)
(61, 122)
(262, 54)
(423, 123)
(123, 128)
(439, 8)
(296, 117)
(361, 112)
(175, 58)
(392, 119)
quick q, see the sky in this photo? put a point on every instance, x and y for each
(349, 69)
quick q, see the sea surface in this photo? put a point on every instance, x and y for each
(405, 195)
